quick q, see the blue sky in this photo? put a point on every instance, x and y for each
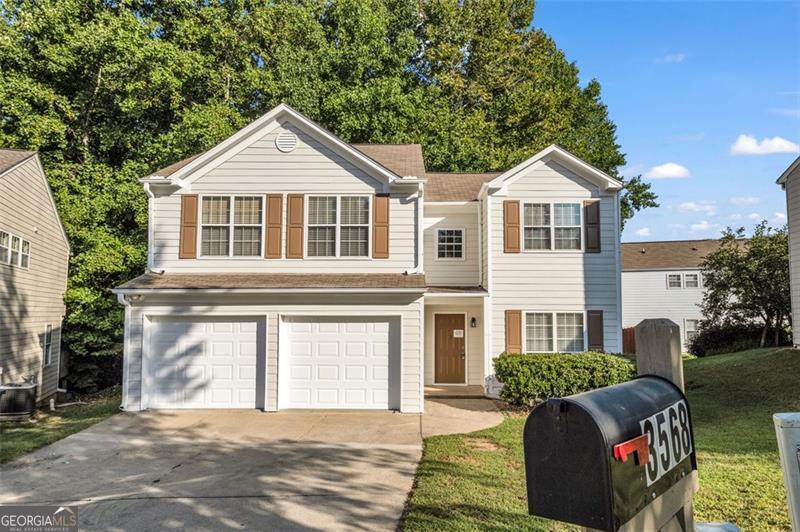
(683, 81)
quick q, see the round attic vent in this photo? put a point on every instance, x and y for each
(286, 141)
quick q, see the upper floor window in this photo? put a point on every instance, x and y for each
(232, 226)
(683, 280)
(555, 226)
(554, 331)
(14, 250)
(450, 244)
(47, 345)
(338, 226)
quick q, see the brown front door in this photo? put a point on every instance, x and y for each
(450, 351)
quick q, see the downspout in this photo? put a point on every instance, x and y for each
(150, 234)
(125, 358)
(420, 230)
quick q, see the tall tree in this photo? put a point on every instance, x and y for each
(108, 90)
(747, 281)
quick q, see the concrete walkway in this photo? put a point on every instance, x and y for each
(216, 470)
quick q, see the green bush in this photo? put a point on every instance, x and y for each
(716, 339)
(531, 378)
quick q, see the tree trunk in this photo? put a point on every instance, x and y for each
(778, 325)
(764, 332)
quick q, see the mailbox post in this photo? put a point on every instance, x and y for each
(615, 458)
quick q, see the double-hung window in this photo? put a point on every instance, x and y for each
(674, 280)
(47, 345)
(691, 329)
(449, 243)
(15, 249)
(691, 280)
(554, 331)
(552, 226)
(232, 226)
(338, 226)
(5, 247)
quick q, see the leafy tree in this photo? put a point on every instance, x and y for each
(109, 90)
(747, 280)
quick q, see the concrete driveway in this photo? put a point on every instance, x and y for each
(213, 470)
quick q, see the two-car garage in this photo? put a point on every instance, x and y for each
(325, 362)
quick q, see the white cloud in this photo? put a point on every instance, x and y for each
(779, 217)
(734, 217)
(784, 111)
(704, 206)
(754, 216)
(749, 145)
(742, 201)
(700, 226)
(679, 57)
(689, 137)
(668, 171)
(644, 231)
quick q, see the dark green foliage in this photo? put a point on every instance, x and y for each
(109, 91)
(730, 338)
(531, 378)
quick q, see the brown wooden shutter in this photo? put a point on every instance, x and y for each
(294, 226)
(380, 226)
(511, 226)
(513, 331)
(595, 329)
(187, 248)
(272, 246)
(591, 222)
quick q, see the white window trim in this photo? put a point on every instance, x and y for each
(463, 256)
(47, 350)
(555, 329)
(230, 224)
(699, 281)
(18, 263)
(680, 277)
(552, 226)
(686, 328)
(337, 247)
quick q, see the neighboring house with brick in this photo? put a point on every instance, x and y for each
(790, 182)
(664, 280)
(34, 257)
(289, 269)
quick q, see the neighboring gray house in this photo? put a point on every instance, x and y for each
(289, 269)
(34, 256)
(664, 280)
(790, 182)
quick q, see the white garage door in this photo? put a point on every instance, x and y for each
(337, 362)
(203, 362)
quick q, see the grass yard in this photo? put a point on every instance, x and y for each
(477, 481)
(18, 438)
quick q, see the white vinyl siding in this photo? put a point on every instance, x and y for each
(407, 307)
(312, 169)
(34, 294)
(566, 280)
(453, 271)
(647, 295)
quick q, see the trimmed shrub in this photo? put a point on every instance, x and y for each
(530, 378)
(716, 339)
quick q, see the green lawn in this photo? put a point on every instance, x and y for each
(477, 481)
(18, 438)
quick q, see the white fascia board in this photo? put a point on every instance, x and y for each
(189, 173)
(480, 295)
(785, 175)
(203, 291)
(470, 203)
(558, 153)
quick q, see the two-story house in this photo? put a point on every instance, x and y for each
(665, 280)
(789, 181)
(289, 269)
(34, 258)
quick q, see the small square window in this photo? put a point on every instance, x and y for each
(450, 244)
(691, 280)
(673, 280)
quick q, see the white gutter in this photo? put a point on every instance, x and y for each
(204, 291)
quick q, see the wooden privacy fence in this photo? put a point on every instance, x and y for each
(629, 340)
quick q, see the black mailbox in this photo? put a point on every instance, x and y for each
(598, 458)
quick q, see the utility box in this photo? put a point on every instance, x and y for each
(602, 458)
